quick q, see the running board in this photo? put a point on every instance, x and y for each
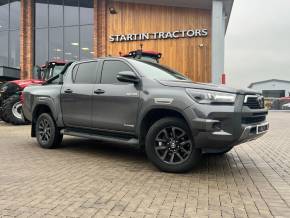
(131, 141)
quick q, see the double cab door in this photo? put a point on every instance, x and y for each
(93, 98)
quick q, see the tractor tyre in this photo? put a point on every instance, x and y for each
(12, 111)
(2, 117)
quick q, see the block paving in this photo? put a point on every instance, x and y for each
(84, 178)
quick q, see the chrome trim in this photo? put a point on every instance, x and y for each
(129, 125)
(132, 94)
(163, 100)
(246, 132)
(250, 96)
(222, 133)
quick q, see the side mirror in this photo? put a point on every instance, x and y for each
(128, 76)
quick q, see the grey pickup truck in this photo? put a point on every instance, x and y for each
(144, 104)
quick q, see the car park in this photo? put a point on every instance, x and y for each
(146, 105)
(286, 106)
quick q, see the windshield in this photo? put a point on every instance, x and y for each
(57, 69)
(157, 71)
(148, 58)
(52, 72)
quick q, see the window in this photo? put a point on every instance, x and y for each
(14, 14)
(14, 46)
(56, 43)
(9, 33)
(86, 42)
(41, 50)
(41, 12)
(71, 47)
(65, 26)
(55, 13)
(86, 12)
(71, 12)
(4, 15)
(157, 71)
(87, 73)
(4, 48)
(111, 69)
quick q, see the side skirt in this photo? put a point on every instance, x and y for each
(101, 136)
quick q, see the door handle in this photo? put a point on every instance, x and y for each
(99, 91)
(68, 91)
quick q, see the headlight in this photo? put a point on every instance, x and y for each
(211, 97)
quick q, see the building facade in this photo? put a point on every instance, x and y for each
(273, 88)
(188, 33)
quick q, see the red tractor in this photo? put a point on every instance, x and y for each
(10, 92)
(151, 56)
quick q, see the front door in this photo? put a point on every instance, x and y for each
(76, 95)
(115, 103)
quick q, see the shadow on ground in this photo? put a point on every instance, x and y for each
(84, 146)
(119, 152)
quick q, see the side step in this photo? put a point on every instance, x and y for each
(99, 137)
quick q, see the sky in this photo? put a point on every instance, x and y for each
(258, 42)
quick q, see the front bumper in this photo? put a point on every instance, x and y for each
(251, 132)
(210, 136)
(217, 127)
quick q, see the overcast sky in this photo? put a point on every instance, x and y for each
(258, 42)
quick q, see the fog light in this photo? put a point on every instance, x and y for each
(217, 126)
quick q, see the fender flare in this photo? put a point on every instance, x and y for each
(145, 112)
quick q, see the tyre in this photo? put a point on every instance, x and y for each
(2, 117)
(11, 111)
(47, 133)
(170, 147)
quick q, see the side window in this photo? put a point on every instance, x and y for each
(85, 73)
(111, 69)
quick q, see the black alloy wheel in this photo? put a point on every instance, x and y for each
(173, 145)
(44, 129)
(170, 147)
(47, 133)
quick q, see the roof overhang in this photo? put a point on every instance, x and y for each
(269, 80)
(202, 4)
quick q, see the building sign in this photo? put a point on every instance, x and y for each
(160, 35)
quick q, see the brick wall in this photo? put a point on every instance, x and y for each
(100, 27)
(26, 39)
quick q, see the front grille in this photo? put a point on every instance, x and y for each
(254, 101)
(250, 120)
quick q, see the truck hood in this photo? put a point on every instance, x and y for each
(24, 83)
(207, 86)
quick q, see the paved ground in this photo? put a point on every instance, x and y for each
(84, 179)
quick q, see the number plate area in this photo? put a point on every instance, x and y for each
(262, 128)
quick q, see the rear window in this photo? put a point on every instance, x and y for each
(85, 73)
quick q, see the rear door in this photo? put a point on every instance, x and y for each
(115, 103)
(76, 96)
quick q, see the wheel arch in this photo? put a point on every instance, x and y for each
(152, 115)
(38, 110)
